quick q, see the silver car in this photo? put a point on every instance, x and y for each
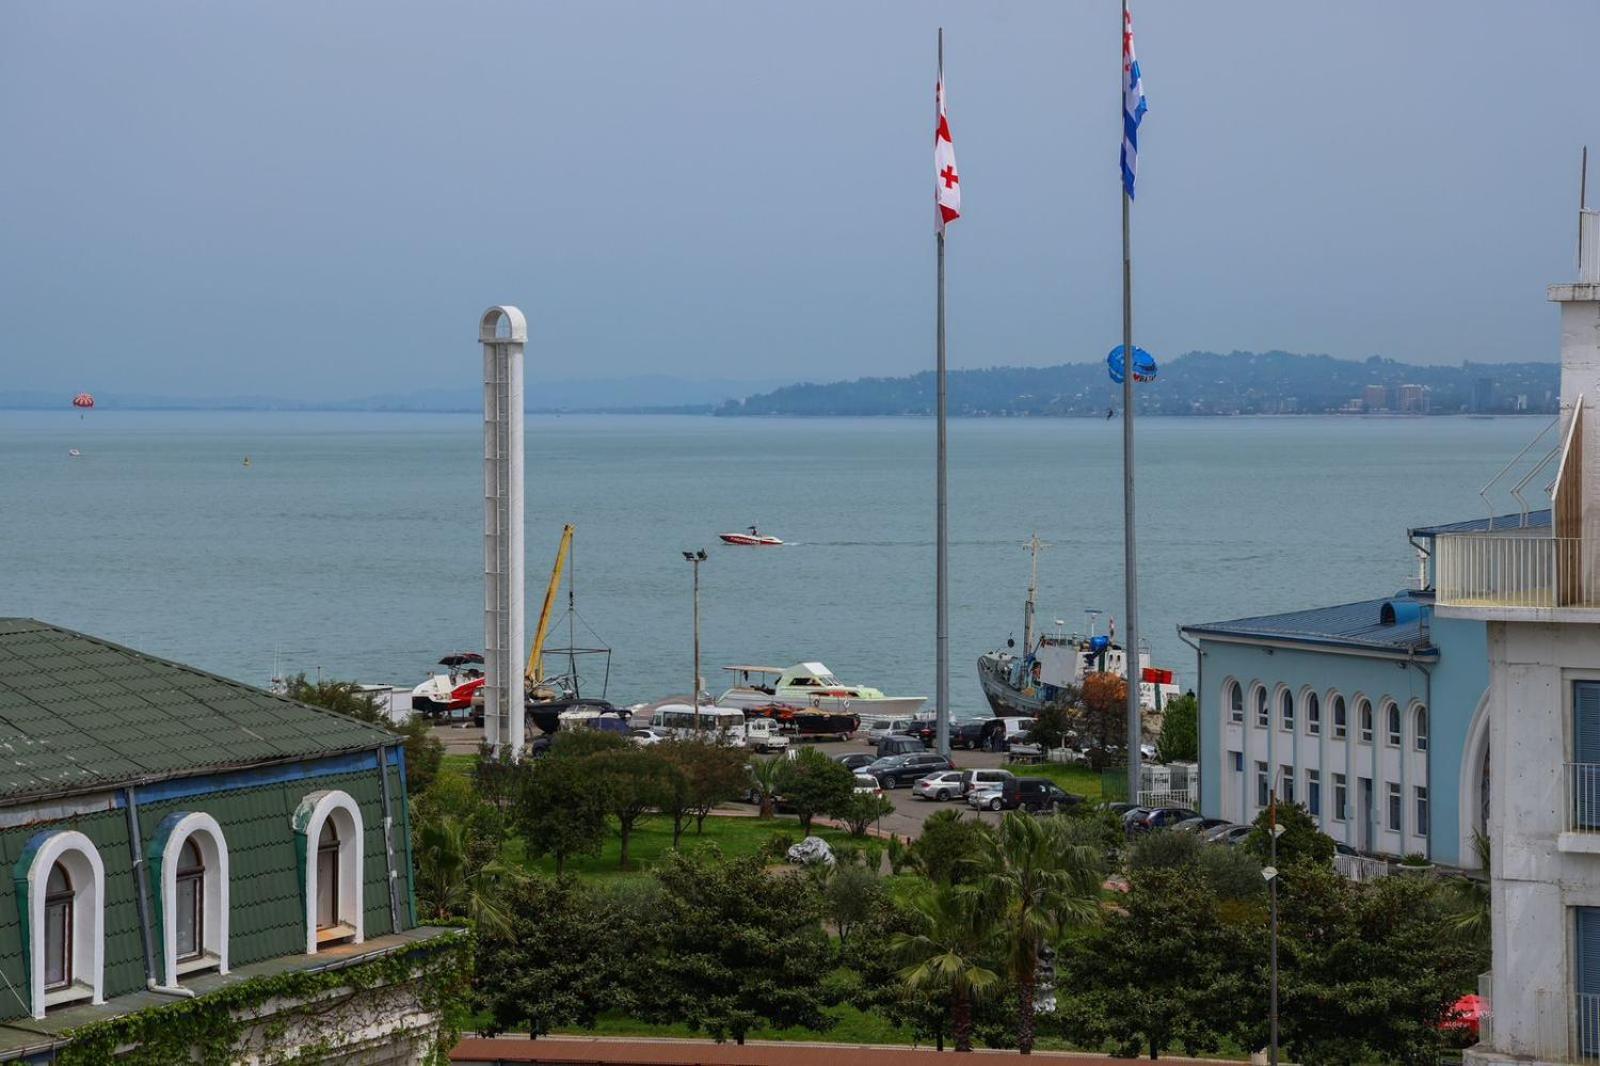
(986, 798)
(941, 786)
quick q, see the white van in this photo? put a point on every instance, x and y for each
(888, 727)
(762, 734)
(722, 724)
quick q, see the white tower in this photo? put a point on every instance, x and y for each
(503, 332)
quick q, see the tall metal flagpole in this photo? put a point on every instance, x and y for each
(1130, 558)
(941, 684)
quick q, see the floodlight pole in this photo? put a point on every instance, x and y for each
(695, 558)
(1272, 886)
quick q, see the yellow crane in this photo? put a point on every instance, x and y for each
(535, 672)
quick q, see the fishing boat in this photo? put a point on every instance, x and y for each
(753, 538)
(450, 694)
(1046, 673)
(807, 721)
(810, 686)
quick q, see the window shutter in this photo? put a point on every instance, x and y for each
(1588, 972)
(1586, 721)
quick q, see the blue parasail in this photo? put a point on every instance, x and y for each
(1144, 365)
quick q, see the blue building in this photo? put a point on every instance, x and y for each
(1369, 713)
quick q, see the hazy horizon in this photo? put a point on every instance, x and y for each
(282, 199)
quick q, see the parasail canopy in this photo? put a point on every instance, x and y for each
(1144, 365)
(83, 399)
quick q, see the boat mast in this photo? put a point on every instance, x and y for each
(1033, 545)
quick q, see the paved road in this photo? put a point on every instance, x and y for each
(909, 812)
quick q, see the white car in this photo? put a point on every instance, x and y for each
(986, 798)
(944, 785)
(867, 783)
(648, 735)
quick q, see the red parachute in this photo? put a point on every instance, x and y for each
(83, 399)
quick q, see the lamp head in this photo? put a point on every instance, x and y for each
(689, 556)
(700, 555)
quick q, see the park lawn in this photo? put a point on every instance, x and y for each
(652, 840)
(1075, 778)
(457, 765)
(851, 1026)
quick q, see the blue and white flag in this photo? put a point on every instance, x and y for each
(1133, 106)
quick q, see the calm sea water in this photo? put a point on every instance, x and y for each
(353, 541)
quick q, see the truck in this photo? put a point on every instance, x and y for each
(762, 734)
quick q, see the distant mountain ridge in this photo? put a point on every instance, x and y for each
(1197, 383)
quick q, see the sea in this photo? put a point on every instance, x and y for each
(350, 544)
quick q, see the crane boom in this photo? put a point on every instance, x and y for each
(535, 672)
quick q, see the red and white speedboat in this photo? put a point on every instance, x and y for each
(449, 695)
(754, 538)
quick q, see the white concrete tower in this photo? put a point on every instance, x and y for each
(503, 332)
(1577, 502)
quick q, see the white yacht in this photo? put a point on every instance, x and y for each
(811, 685)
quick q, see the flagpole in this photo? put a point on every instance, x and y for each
(941, 684)
(1130, 558)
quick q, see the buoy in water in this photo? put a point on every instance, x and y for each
(73, 453)
(247, 460)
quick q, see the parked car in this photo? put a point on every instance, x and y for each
(856, 760)
(648, 735)
(1158, 818)
(1120, 807)
(1131, 813)
(1198, 824)
(866, 783)
(1230, 835)
(946, 784)
(990, 797)
(971, 779)
(908, 769)
(1341, 848)
(1040, 795)
(900, 745)
(762, 734)
(887, 727)
(970, 734)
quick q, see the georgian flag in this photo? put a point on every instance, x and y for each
(1133, 105)
(946, 182)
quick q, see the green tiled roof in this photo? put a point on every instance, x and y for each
(78, 712)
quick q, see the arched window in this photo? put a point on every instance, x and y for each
(1421, 734)
(330, 823)
(1341, 723)
(61, 883)
(1364, 715)
(1392, 720)
(1313, 714)
(190, 878)
(1235, 702)
(1286, 710)
(1263, 716)
(58, 897)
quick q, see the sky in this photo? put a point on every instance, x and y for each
(317, 200)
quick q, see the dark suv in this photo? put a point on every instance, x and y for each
(907, 769)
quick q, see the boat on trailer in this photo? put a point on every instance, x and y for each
(810, 686)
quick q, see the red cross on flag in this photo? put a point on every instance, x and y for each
(946, 182)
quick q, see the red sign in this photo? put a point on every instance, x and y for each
(1157, 676)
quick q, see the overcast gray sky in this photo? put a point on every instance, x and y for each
(304, 198)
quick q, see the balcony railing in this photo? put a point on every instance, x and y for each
(1583, 797)
(1479, 570)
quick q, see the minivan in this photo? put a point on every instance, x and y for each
(972, 779)
(885, 727)
(900, 745)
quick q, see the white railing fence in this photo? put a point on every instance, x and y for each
(1582, 797)
(1360, 867)
(1479, 570)
(1586, 1027)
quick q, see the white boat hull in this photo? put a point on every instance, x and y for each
(747, 699)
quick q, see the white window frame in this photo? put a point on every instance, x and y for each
(1365, 725)
(1230, 689)
(1419, 726)
(1341, 715)
(1312, 713)
(1341, 798)
(1263, 707)
(1286, 710)
(1394, 738)
(88, 875)
(309, 818)
(207, 835)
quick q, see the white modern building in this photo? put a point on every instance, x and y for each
(1536, 587)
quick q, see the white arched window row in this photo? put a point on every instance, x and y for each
(1234, 697)
(62, 886)
(1419, 724)
(330, 847)
(191, 874)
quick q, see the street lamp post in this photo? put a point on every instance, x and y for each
(695, 558)
(1271, 874)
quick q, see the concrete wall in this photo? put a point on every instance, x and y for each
(1457, 684)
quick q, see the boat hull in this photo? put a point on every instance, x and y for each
(864, 706)
(749, 541)
(805, 721)
(1008, 701)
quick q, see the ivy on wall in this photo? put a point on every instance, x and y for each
(212, 1028)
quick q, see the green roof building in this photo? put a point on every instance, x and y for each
(182, 843)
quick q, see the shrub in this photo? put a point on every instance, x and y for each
(1180, 738)
(1232, 874)
(1164, 849)
(777, 846)
(859, 810)
(1300, 841)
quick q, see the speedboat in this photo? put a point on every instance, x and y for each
(813, 686)
(753, 538)
(449, 695)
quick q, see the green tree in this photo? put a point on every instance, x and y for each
(566, 956)
(1051, 725)
(1104, 712)
(561, 809)
(812, 784)
(950, 951)
(713, 774)
(850, 897)
(950, 846)
(859, 810)
(1301, 841)
(453, 878)
(1036, 885)
(631, 782)
(424, 751)
(1165, 967)
(1180, 730)
(736, 948)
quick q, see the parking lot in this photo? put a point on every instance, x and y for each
(909, 812)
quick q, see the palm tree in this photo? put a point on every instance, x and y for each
(764, 776)
(452, 883)
(1035, 884)
(950, 954)
(1470, 902)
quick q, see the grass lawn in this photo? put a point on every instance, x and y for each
(851, 1026)
(457, 765)
(652, 839)
(1072, 777)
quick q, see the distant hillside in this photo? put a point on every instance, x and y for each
(1199, 383)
